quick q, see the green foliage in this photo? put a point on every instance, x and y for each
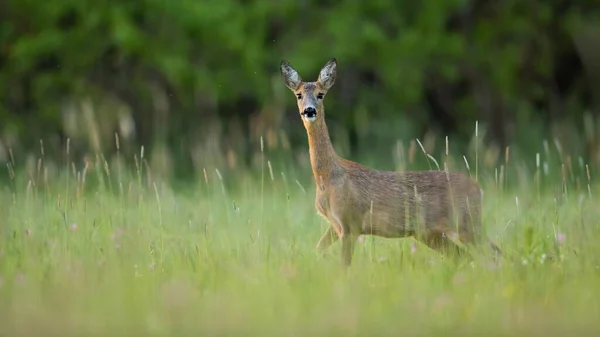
(208, 57)
(98, 259)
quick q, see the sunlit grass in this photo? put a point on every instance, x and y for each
(106, 251)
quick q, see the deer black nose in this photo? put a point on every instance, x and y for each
(310, 112)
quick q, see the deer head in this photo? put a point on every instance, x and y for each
(310, 95)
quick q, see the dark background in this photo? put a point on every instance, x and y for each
(197, 83)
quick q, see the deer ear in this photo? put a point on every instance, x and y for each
(290, 75)
(328, 74)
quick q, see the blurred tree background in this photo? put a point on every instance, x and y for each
(197, 82)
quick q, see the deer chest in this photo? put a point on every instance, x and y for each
(322, 205)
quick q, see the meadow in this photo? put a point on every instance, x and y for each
(107, 248)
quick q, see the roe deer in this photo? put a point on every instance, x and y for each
(357, 200)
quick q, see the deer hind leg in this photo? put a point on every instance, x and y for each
(437, 237)
(440, 242)
(329, 237)
(470, 232)
(348, 242)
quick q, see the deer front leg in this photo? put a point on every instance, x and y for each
(348, 241)
(327, 239)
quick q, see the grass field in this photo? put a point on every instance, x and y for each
(129, 256)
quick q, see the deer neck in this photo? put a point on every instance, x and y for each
(323, 158)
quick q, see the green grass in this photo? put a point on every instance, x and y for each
(130, 255)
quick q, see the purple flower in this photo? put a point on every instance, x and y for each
(117, 234)
(20, 278)
(560, 238)
(459, 278)
(492, 266)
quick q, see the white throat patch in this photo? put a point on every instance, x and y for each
(309, 119)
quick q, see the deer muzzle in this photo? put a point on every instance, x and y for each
(310, 114)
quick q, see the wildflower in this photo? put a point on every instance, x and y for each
(413, 247)
(459, 278)
(177, 294)
(20, 278)
(74, 227)
(361, 239)
(492, 266)
(443, 301)
(560, 238)
(289, 271)
(117, 234)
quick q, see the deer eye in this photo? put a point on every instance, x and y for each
(320, 95)
(299, 96)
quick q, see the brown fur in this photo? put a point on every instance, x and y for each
(357, 200)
